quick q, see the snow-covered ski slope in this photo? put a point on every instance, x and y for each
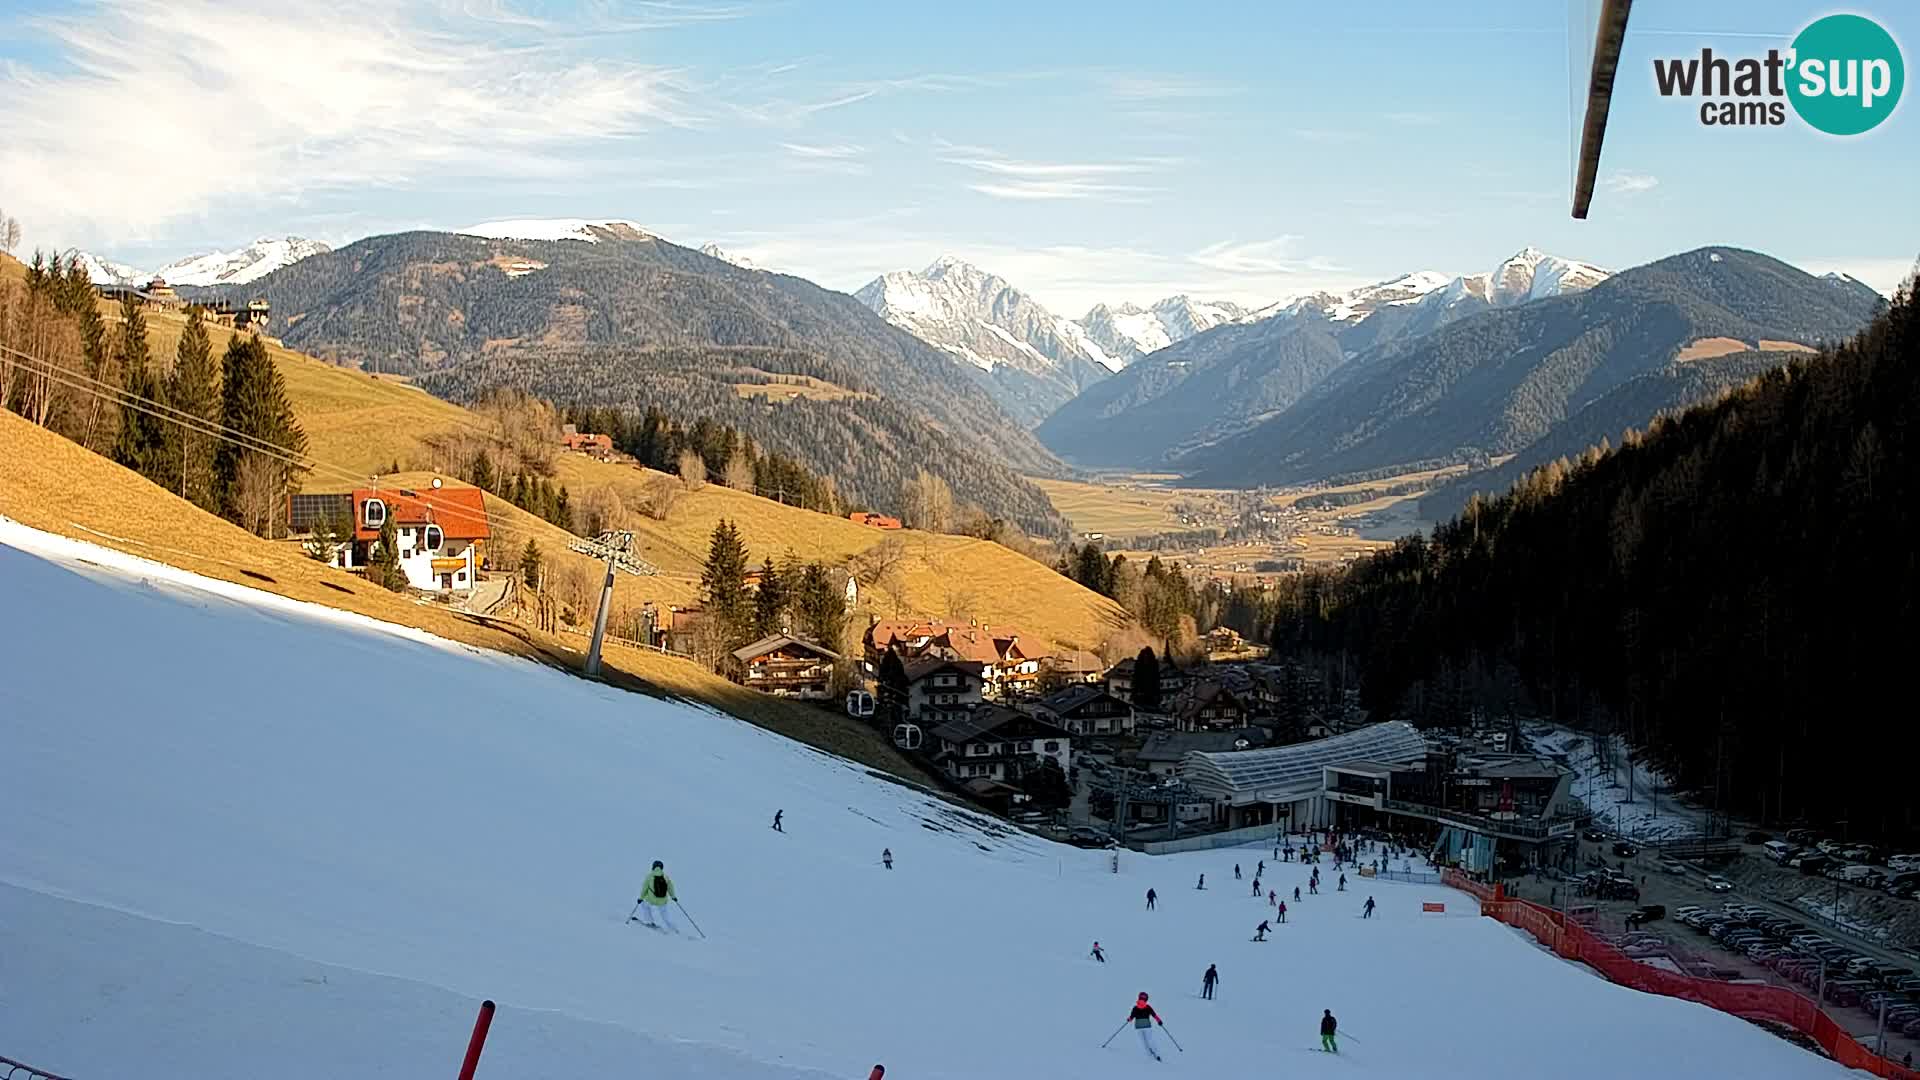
(244, 837)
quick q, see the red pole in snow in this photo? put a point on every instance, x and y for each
(480, 1025)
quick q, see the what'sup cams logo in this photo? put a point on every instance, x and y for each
(1841, 75)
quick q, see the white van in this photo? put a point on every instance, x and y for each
(1903, 862)
(1778, 850)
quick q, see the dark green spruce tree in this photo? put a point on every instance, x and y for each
(1146, 681)
(141, 442)
(253, 482)
(770, 603)
(723, 581)
(193, 387)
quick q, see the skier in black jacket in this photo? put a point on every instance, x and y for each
(1206, 982)
(1150, 899)
(1328, 1027)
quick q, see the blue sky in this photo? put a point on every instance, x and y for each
(1086, 151)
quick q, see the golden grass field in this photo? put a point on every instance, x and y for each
(363, 424)
(51, 484)
(1119, 509)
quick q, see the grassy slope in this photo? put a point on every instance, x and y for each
(364, 424)
(52, 484)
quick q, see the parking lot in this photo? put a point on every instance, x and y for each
(1756, 952)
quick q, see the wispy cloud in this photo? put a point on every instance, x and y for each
(1414, 119)
(1014, 178)
(834, 151)
(1253, 257)
(1630, 183)
(353, 94)
(1327, 135)
(1164, 88)
(789, 111)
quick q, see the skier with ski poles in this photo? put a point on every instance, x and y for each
(1283, 911)
(1260, 932)
(1273, 898)
(1097, 954)
(1256, 884)
(1296, 894)
(1206, 982)
(1328, 1028)
(1368, 913)
(1203, 882)
(1261, 869)
(1343, 884)
(656, 892)
(886, 857)
(777, 815)
(1150, 899)
(1236, 871)
(1144, 1018)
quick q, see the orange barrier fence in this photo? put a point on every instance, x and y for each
(1775, 1003)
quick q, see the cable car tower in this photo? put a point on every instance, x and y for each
(616, 547)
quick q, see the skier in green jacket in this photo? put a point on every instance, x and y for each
(656, 893)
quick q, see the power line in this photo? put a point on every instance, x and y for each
(88, 384)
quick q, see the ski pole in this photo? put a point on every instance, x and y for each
(683, 911)
(1115, 1035)
(634, 912)
(1171, 1039)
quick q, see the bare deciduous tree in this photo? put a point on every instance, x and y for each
(928, 501)
(9, 233)
(260, 487)
(693, 470)
(738, 474)
(662, 495)
(600, 510)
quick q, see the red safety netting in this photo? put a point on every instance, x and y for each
(1774, 1003)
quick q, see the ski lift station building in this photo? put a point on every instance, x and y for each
(1291, 783)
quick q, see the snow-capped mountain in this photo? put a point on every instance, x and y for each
(715, 251)
(105, 271)
(1127, 332)
(250, 263)
(1033, 359)
(591, 231)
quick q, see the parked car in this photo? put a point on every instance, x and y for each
(1646, 913)
(1800, 836)
(1718, 883)
(1672, 866)
(1830, 847)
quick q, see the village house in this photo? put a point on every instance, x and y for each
(786, 666)
(1086, 710)
(873, 521)
(936, 687)
(1210, 707)
(441, 533)
(675, 629)
(1225, 639)
(1119, 680)
(599, 446)
(1071, 667)
(1009, 670)
(154, 294)
(995, 743)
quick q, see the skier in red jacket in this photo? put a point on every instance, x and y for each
(1144, 1018)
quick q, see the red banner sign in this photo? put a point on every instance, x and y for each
(1431, 906)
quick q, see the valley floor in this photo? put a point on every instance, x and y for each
(247, 836)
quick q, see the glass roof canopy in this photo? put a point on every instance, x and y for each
(1254, 775)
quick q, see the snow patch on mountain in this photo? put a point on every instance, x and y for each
(104, 271)
(591, 231)
(1128, 332)
(250, 263)
(715, 251)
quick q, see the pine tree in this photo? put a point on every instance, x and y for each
(770, 603)
(193, 388)
(894, 690)
(383, 565)
(723, 581)
(821, 607)
(1146, 681)
(253, 485)
(482, 471)
(530, 564)
(563, 510)
(140, 443)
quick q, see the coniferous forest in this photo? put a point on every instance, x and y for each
(1735, 590)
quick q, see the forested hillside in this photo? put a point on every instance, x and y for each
(1495, 382)
(634, 320)
(1736, 590)
(1203, 388)
(1602, 422)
